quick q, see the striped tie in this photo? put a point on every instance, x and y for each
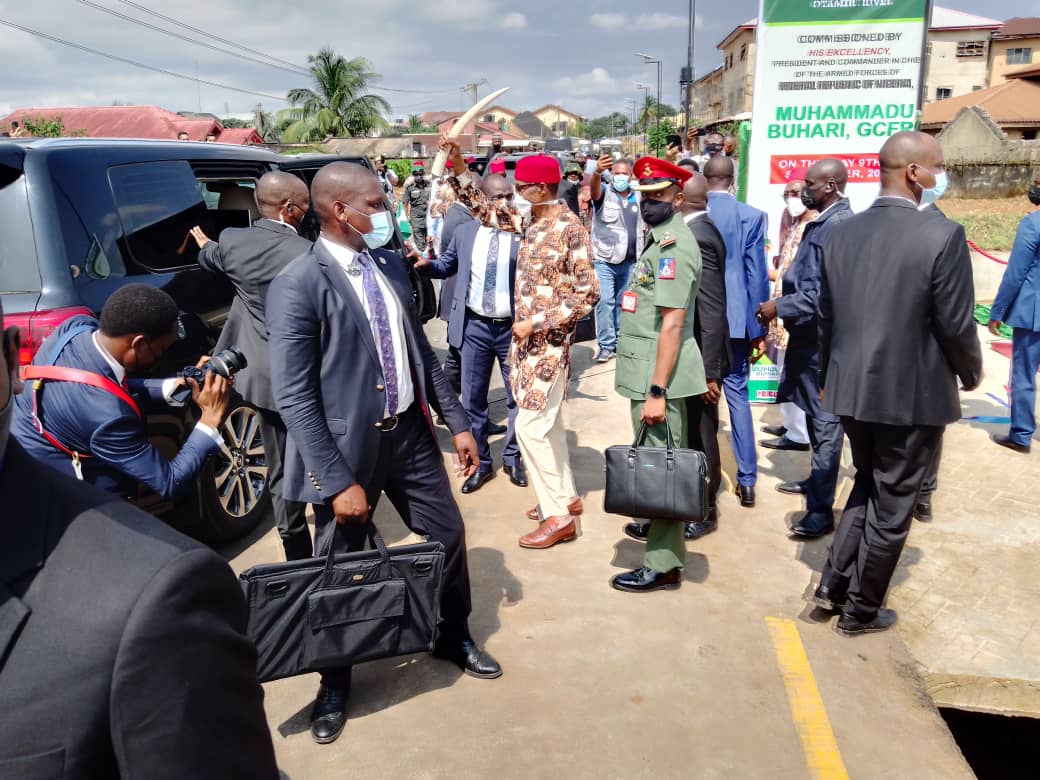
(380, 329)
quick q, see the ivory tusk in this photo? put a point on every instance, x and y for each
(440, 163)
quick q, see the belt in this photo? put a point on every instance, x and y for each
(388, 424)
(491, 320)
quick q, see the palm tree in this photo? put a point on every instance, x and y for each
(339, 104)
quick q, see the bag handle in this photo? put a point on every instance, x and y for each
(377, 544)
(669, 441)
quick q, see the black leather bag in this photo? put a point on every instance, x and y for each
(338, 610)
(656, 483)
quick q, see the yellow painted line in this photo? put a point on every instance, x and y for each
(807, 710)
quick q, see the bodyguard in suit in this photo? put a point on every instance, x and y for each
(93, 433)
(250, 258)
(458, 215)
(1018, 304)
(352, 372)
(123, 650)
(482, 259)
(896, 332)
(743, 228)
(824, 192)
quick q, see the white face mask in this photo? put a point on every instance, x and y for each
(795, 207)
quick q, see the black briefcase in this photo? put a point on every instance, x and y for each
(656, 483)
(334, 611)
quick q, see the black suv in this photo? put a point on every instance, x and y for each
(83, 217)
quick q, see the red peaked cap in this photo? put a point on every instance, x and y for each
(538, 169)
(655, 174)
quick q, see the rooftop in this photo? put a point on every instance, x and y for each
(1015, 102)
(1020, 27)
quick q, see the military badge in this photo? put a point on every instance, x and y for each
(629, 301)
(667, 240)
(666, 268)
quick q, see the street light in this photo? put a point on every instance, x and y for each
(631, 104)
(648, 60)
(646, 105)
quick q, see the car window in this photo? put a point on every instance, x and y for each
(19, 271)
(158, 204)
(231, 202)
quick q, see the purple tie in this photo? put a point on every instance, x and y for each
(380, 329)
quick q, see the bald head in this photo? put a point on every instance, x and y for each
(695, 194)
(279, 192)
(346, 195)
(495, 185)
(825, 183)
(910, 162)
(719, 173)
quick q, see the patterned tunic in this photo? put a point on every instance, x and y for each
(788, 250)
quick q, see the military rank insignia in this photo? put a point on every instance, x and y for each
(667, 240)
(666, 268)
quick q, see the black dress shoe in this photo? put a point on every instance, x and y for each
(1005, 441)
(747, 495)
(473, 483)
(494, 429)
(637, 531)
(923, 509)
(329, 715)
(849, 626)
(773, 430)
(698, 528)
(825, 598)
(783, 443)
(517, 473)
(792, 488)
(469, 658)
(813, 526)
(645, 579)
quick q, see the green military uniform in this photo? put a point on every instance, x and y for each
(666, 276)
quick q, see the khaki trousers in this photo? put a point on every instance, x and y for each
(543, 446)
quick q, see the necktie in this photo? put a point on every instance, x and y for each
(491, 276)
(380, 329)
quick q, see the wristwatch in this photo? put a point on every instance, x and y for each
(656, 391)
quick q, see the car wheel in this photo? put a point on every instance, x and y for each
(235, 494)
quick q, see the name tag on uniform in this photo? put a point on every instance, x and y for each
(629, 301)
(666, 268)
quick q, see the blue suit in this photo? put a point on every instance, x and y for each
(90, 420)
(479, 339)
(743, 230)
(1018, 305)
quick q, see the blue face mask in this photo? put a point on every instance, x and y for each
(621, 182)
(932, 194)
(382, 228)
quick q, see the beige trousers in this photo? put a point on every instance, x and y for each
(543, 445)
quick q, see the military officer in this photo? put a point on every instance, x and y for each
(658, 362)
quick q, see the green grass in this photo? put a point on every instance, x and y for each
(991, 224)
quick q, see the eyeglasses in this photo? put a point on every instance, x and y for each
(525, 187)
(508, 196)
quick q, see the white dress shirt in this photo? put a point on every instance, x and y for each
(688, 218)
(168, 386)
(478, 273)
(347, 258)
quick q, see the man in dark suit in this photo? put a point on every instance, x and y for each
(482, 259)
(98, 435)
(743, 228)
(458, 215)
(122, 643)
(824, 192)
(352, 372)
(250, 258)
(896, 331)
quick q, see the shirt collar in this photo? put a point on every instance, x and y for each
(688, 218)
(343, 254)
(658, 231)
(115, 365)
(899, 197)
(279, 222)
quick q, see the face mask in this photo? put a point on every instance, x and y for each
(712, 149)
(621, 182)
(795, 207)
(933, 194)
(806, 199)
(382, 229)
(656, 211)
(1034, 194)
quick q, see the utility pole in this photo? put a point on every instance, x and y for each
(649, 60)
(198, 85)
(686, 76)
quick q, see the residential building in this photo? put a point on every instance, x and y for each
(1015, 44)
(1012, 105)
(136, 122)
(738, 69)
(957, 54)
(706, 101)
(558, 120)
(499, 115)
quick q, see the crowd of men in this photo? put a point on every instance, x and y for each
(875, 335)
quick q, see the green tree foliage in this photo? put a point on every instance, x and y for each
(657, 136)
(609, 126)
(53, 127)
(338, 103)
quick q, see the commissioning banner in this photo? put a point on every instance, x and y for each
(833, 78)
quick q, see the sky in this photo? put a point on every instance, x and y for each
(546, 51)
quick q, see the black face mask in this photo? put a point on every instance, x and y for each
(656, 211)
(807, 199)
(1034, 194)
(711, 149)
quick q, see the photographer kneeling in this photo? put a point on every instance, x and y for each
(81, 414)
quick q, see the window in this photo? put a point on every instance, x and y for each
(941, 93)
(1029, 135)
(489, 117)
(1022, 55)
(976, 88)
(971, 48)
(18, 263)
(743, 52)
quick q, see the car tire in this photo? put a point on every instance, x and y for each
(234, 495)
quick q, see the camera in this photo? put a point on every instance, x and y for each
(225, 363)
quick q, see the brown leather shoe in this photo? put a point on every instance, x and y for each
(575, 508)
(556, 529)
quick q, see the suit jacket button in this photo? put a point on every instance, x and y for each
(379, 425)
(380, 388)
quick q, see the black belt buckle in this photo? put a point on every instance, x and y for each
(389, 424)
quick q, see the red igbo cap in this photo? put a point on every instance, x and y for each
(656, 174)
(497, 166)
(538, 169)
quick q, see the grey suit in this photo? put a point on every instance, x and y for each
(251, 258)
(457, 216)
(122, 643)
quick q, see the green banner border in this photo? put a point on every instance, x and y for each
(801, 12)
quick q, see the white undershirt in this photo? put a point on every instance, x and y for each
(478, 273)
(346, 257)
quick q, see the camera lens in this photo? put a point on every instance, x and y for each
(228, 362)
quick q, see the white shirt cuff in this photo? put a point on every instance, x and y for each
(211, 432)
(168, 386)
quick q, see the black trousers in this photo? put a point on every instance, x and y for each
(891, 461)
(289, 516)
(826, 438)
(410, 471)
(702, 425)
(931, 476)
